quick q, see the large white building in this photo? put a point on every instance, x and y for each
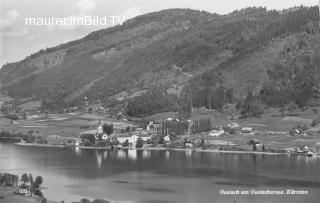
(132, 138)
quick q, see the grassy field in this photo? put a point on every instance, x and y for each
(69, 124)
(270, 120)
(271, 142)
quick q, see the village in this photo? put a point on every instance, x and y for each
(176, 134)
(100, 128)
(97, 127)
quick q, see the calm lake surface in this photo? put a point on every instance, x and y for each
(163, 176)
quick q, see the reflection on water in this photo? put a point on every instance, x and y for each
(132, 154)
(121, 154)
(161, 176)
(188, 153)
(167, 155)
(78, 151)
(99, 159)
(105, 154)
(146, 154)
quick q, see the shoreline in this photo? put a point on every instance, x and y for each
(153, 149)
(214, 151)
(157, 149)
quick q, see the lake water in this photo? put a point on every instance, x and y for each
(163, 176)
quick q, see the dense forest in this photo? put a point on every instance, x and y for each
(154, 101)
(252, 57)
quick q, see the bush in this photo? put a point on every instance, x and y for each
(85, 127)
(315, 122)
(292, 107)
(314, 110)
(12, 116)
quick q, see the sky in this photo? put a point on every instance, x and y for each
(18, 40)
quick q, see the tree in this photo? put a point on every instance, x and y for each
(139, 143)
(38, 181)
(85, 201)
(89, 137)
(254, 147)
(125, 143)
(173, 136)
(24, 178)
(114, 141)
(161, 140)
(107, 128)
(315, 122)
(203, 144)
(252, 105)
(128, 129)
(282, 110)
(31, 179)
(304, 128)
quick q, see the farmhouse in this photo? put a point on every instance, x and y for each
(233, 125)
(248, 130)
(216, 133)
(154, 127)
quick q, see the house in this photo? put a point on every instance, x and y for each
(138, 129)
(132, 138)
(255, 142)
(167, 138)
(96, 108)
(78, 141)
(188, 145)
(216, 133)
(153, 126)
(248, 130)
(233, 125)
(105, 137)
(145, 137)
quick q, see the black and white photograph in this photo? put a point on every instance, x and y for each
(159, 101)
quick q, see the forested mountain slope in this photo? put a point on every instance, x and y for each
(214, 59)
